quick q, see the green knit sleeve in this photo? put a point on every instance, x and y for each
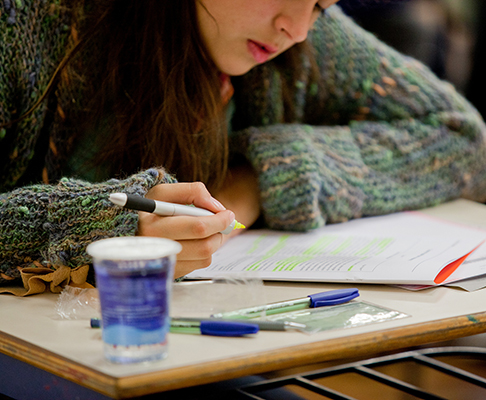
(310, 175)
(366, 80)
(392, 137)
(53, 224)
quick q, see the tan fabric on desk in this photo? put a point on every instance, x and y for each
(38, 280)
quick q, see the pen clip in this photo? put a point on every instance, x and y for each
(333, 297)
(227, 328)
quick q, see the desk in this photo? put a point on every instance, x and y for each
(30, 333)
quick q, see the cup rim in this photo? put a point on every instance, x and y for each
(159, 248)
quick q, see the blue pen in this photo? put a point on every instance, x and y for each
(212, 328)
(329, 298)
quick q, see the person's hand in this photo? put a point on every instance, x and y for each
(200, 237)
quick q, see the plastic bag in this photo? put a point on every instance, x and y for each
(76, 303)
(349, 315)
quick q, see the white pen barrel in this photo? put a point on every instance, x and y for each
(158, 207)
(169, 209)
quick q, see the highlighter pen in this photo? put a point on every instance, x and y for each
(329, 298)
(206, 327)
(139, 203)
(263, 325)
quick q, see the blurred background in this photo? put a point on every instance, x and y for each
(447, 35)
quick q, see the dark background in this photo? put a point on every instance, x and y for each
(447, 35)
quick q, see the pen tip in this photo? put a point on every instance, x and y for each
(239, 226)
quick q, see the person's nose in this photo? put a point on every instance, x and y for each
(295, 23)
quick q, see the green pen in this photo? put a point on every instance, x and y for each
(264, 325)
(204, 327)
(329, 298)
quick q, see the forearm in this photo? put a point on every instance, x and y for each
(53, 224)
(312, 175)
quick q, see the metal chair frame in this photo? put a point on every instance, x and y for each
(364, 368)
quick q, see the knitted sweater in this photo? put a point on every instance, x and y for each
(389, 136)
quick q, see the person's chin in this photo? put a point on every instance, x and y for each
(238, 69)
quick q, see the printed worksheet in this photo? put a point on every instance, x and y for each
(403, 248)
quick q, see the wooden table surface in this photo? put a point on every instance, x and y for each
(31, 331)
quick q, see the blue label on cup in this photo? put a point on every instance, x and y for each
(134, 301)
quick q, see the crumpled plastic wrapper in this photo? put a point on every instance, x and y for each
(77, 303)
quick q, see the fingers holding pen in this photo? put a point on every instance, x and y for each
(196, 254)
(183, 268)
(194, 193)
(184, 227)
(200, 237)
(199, 252)
(197, 232)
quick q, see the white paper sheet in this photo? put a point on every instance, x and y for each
(401, 248)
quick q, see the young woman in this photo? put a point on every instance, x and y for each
(283, 109)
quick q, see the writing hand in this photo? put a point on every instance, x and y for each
(200, 237)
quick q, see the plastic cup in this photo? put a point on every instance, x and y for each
(134, 279)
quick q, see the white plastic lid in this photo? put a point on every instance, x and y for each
(133, 248)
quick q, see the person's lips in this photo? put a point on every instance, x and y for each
(261, 52)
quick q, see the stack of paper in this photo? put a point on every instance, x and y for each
(403, 248)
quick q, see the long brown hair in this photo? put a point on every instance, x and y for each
(164, 90)
(154, 90)
(154, 76)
